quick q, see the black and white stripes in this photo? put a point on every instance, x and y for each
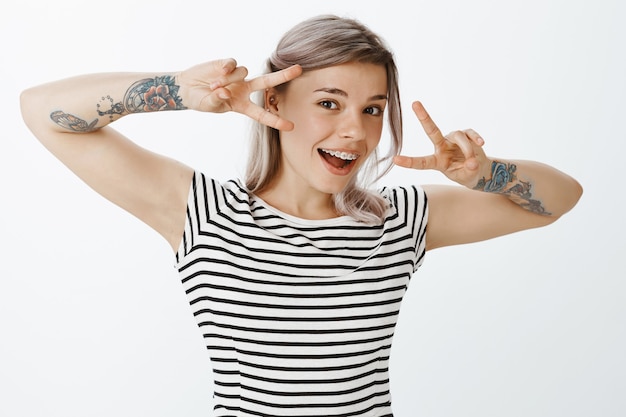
(298, 315)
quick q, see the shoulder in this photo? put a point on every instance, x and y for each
(206, 183)
(211, 194)
(408, 206)
(404, 197)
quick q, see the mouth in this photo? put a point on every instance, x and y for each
(339, 160)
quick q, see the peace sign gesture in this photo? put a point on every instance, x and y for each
(458, 155)
(220, 86)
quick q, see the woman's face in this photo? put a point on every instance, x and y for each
(338, 117)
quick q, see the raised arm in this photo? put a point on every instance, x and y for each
(71, 118)
(499, 196)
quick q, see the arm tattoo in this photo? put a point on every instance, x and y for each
(107, 106)
(71, 122)
(148, 95)
(153, 94)
(520, 192)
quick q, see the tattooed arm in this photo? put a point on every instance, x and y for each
(514, 196)
(499, 196)
(503, 180)
(86, 103)
(71, 118)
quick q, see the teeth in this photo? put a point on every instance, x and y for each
(343, 155)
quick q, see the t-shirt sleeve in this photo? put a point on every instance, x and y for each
(420, 227)
(409, 218)
(198, 201)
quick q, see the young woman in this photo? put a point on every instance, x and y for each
(295, 274)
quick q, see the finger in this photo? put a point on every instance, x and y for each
(428, 124)
(231, 76)
(218, 99)
(275, 78)
(267, 118)
(464, 143)
(226, 65)
(416, 162)
(474, 137)
(222, 66)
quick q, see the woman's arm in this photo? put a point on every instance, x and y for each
(71, 118)
(528, 195)
(499, 196)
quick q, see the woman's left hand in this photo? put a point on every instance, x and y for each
(458, 155)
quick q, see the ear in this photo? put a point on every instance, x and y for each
(271, 100)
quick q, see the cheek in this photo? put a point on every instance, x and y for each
(310, 130)
(373, 136)
(312, 123)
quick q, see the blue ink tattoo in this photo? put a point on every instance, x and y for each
(520, 192)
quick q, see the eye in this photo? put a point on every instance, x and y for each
(374, 111)
(331, 105)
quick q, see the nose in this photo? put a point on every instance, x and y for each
(351, 126)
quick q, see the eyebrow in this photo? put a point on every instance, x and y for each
(340, 92)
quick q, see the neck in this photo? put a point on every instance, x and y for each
(304, 204)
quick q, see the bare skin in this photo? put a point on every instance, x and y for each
(337, 109)
(475, 212)
(71, 117)
(152, 187)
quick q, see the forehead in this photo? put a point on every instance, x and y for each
(355, 78)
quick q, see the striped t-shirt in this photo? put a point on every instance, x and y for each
(297, 315)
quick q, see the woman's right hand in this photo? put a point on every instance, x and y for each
(220, 86)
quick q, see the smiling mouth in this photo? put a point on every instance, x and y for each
(338, 159)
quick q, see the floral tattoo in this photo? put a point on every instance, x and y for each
(147, 95)
(520, 192)
(153, 94)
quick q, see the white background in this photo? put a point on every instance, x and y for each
(93, 321)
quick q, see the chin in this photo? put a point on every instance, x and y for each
(332, 186)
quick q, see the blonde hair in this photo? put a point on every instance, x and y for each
(320, 42)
